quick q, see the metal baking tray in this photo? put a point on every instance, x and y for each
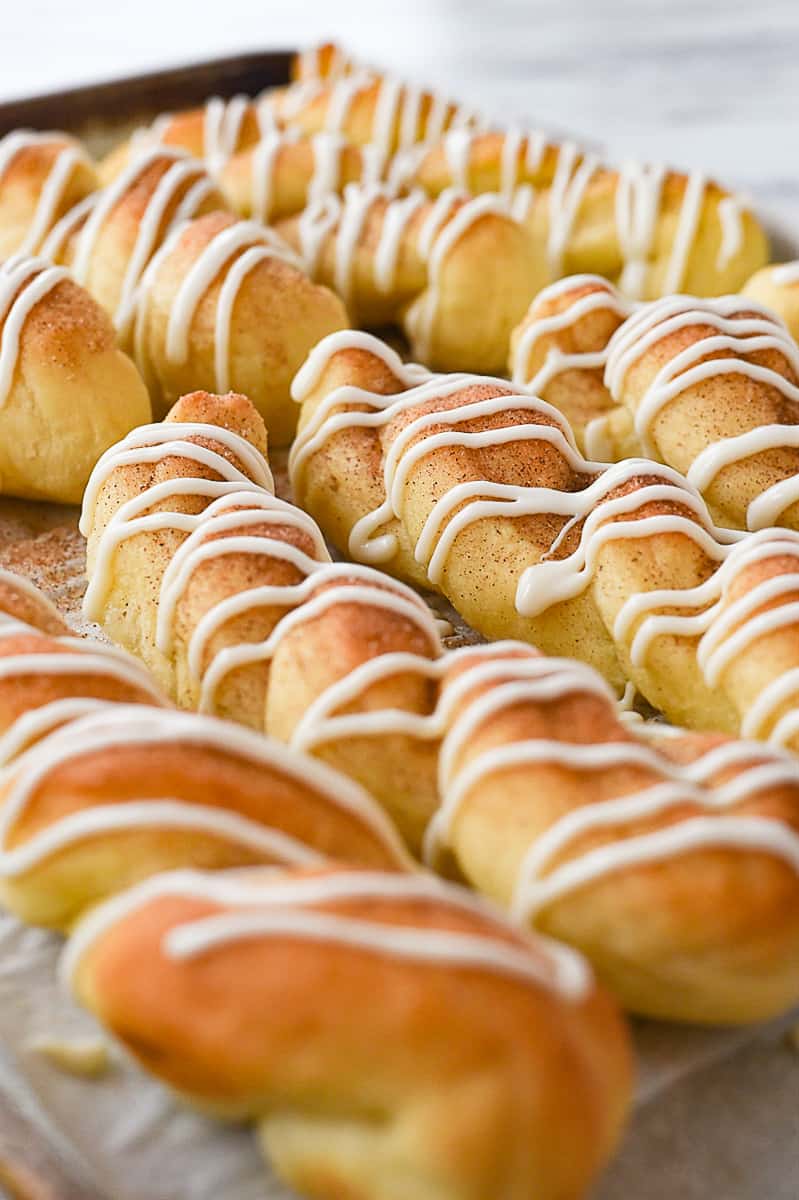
(101, 113)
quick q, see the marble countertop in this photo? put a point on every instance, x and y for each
(712, 85)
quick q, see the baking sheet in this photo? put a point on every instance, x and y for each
(121, 1137)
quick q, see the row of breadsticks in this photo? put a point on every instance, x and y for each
(220, 244)
(311, 998)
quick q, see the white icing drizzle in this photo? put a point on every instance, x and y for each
(153, 443)
(687, 225)
(786, 274)
(436, 240)
(356, 206)
(277, 907)
(311, 371)
(327, 151)
(573, 174)
(545, 583)
(53, 189)
(124, 725)
(732, 327)
(222, 126)
(24, 282)
(183, 175)
(544, 681)
(315, 224)
(262, 174)
(320, 722)
(602, 297)
(397, 218)
(457, 147)
(638, 198)
(72, 220)
(358, 585)
(235, 251)
(731, 214)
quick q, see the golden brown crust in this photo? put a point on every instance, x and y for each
(604, 609)
(27, 214)
(277, 315)
(518, 1086)
(646, 926)
(287, 176)
(72, 394)
(457, 304)
(105, 254)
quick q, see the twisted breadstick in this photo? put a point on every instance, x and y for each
(459, 483)
(555, 809)
(97, 793)
(710, 387)
(379, 111)
(224, 304)
(108, 240)
(213, 132)
(120, 792)
(42, 176)
(651, 230)
(228, 593)
(66, 391)
(285, 173)
(456, 273)
(472, 1103)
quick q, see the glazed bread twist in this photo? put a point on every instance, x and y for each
(456, 274)
(108, 240)
(710, 387)
(198, 298)
(225, 304)
(229, 595)
(66, 391)
(462, 484)
(556, 810)
(42, 176)
(496, 1066)
(547, 801)
(652, 231)
(284, 173)
(97, 793)
(369, 109)
(212, 132)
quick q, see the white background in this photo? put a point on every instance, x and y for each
(711, 83)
